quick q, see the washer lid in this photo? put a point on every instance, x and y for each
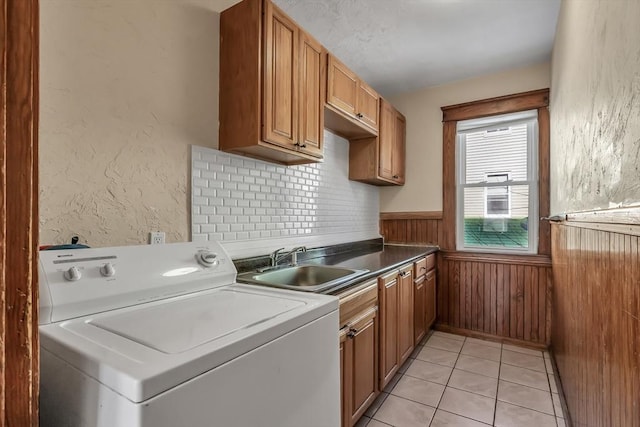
(144, 350)
(181, 325)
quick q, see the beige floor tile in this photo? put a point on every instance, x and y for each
(444, 343)
(484, 342)
(552, 383)
(447, 419)
(437, 356)
(418, 390)
(476, 365)
(404, 413)
(523, 350)
(468, 405)
(429, 372)
(508, 415)
(527, 397)
(557, 406)
(524, 376)
(481, 351)
(561, 422)
(448, 335)
(474, 383)
(523, 360)
(376, 404)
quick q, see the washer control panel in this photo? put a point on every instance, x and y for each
(79, 282)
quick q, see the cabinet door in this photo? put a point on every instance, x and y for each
(280, 99)
(419, 314)
(364, 343)
(385, 140)
(312, 62)
(388, 292)
(368, 105)
(398, 152)
(342, 87)
(430, 305)
(405, 312)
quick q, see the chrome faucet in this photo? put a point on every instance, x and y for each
(276, 256)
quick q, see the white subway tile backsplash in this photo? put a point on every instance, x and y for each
(236, 198)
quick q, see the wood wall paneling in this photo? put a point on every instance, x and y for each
(18, 212)
(596, 330)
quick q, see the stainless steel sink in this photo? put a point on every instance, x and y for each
(310, 278)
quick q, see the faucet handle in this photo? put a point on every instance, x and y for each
(274, 256)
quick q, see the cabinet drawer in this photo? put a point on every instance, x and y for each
(431, 262)
(354, 301)
(420, 267)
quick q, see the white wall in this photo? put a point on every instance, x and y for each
(126, 86)
(595, 106)
(423, 188)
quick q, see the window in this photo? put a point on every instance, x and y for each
(496, 183)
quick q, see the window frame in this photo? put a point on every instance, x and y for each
(530, 118)
(451, 115)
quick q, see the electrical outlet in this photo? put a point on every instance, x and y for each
(156, 237)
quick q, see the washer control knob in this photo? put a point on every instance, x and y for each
(72, 274)
(207, 259)
(107, 270)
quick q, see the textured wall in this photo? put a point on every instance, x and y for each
(423, 188)
(125, 88)
(595, 106)
(237, 198)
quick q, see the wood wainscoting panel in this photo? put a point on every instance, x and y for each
(596, 330)
(501, 295)
(411, 227)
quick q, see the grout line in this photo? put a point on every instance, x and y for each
(517, 366)
(462, 416)
(448, 379)
(531, 409)
(495, 403)
(523, 385)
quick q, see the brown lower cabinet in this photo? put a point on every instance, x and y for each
(424, 298)
(381, 322)
(396, 321)
(358, 351)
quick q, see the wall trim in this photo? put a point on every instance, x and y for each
(502, 104)
(528, 260)
(411, 215)
(622, 215)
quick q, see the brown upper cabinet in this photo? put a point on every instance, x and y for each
(272, 85)
(380, 160)
(352, 108)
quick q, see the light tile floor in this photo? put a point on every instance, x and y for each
(451, 380)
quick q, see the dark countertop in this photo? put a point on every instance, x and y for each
(379, 262)
(371, 255)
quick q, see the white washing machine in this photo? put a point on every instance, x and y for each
(161, 336)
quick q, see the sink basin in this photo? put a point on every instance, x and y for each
(310, 278)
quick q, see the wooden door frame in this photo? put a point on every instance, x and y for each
(19, 354)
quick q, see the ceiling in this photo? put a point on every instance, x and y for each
(403, 45)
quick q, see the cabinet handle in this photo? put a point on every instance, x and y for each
(405, 274)
(303, 146)
(352, 332)
(395, 177)
(423, 268)
(359, 115)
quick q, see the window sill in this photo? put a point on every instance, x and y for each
(495, 258)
